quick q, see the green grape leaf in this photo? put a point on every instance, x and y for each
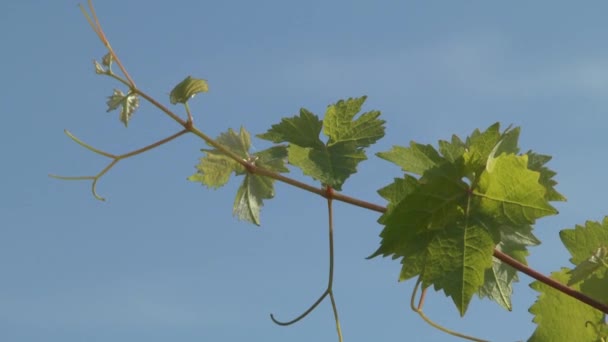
(215, 168)
(341, 127)
(256, 188)
(511, 193)
(452, 150)
(128, 105)
(332, 162)
(481, 145)
(499, 279)
(187, 88)
(399, 189)
(437, 200)
(302, 130)
(457, 260)
(595, 287)
(472, 197)
(560, 317)
(596, 263)
(537, 162)
(583, 241)
(415, 159)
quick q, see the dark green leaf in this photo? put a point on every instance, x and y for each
(302, 130)
(415, 159)
(453, 150)
(457, 260)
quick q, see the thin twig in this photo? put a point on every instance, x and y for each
(115, 159)
(329, 290)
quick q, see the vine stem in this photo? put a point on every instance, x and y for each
(551, 282)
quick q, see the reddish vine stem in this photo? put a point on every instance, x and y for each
(551, 282)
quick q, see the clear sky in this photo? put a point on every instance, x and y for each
(164, 260)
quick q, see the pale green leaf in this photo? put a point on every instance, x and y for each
(583, 241)
(536, 162)
(128, 104)
(511, 193)
(250, 196)
(596, 263)
(560, 317)
(187, 88)
(215, 169)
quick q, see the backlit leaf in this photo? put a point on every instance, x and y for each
(187, 88)
(472, 197)
(333, 161)
(560, 317)
(128, 105)
(215, 168)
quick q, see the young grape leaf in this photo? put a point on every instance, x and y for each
(560, 317)
(128, 104)
(187, 88)
(332, 162)
(215, 168)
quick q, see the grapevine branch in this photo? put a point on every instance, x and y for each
(188, 127)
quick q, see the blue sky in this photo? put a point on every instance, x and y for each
(164, 260)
